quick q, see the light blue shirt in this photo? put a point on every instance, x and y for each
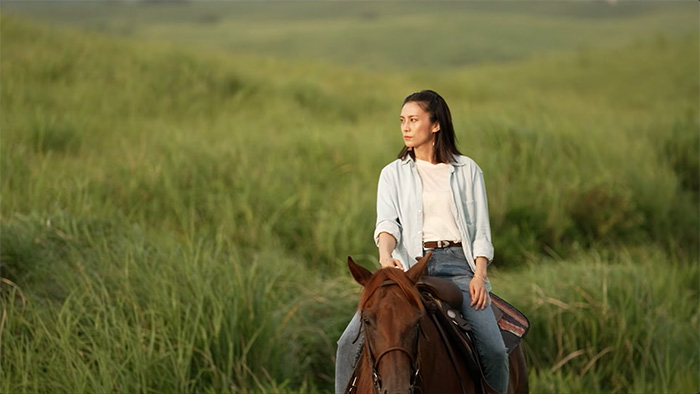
(400, 205)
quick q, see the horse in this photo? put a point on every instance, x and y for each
(403, 351)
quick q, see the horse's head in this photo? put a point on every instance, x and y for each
(391, 310)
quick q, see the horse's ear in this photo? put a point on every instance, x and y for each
(360, 273)
(416, 271)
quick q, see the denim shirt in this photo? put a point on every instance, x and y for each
(400, 209)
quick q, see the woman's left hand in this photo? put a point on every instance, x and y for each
(478, 292)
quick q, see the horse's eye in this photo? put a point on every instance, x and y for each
(366, 320)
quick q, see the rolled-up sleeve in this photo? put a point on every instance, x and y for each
(482, 245)
(387, 211)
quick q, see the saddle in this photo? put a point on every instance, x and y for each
(443, 301)
(447, 296)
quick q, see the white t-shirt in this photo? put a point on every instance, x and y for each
(438, 216)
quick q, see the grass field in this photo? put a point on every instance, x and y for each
(182, 183)
(379, 34)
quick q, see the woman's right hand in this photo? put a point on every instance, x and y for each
(390, 262)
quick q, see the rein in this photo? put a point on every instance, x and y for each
(377, 379)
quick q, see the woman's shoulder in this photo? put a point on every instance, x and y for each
(396, 169)
(395, 165)
(464, 161)
(467, 163)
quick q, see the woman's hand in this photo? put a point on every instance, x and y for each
(390, 262)
(477, 286)
(478, 292)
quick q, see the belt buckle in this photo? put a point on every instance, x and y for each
(442, 244)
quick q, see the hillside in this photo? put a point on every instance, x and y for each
(177, 220)
(379, 35)
(603, 129)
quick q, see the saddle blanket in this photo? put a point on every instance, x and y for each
(514, 325)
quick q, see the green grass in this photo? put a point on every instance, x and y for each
(595, 316)
(122, 317)
(177, 220)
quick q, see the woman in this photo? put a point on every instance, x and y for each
(433, 198)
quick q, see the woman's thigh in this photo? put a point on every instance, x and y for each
(451, 264)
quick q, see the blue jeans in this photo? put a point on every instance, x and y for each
(349, 349)
(447, 263)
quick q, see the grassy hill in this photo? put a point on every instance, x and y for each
(379, 35)
(176, 220)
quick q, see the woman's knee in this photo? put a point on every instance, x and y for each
(496, 351)
(347, 338)
(351, 333)
(492, 346)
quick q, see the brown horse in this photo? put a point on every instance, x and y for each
(403, 351)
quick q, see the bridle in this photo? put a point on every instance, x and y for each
(377, 379)
(415, 361)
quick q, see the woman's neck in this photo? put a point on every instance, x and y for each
(425, 153)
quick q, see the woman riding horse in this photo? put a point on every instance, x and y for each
(432, 198)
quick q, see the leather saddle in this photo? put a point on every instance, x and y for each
(448, 298)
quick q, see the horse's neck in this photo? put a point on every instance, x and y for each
(431, 352)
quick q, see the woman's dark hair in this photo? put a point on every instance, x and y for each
(445, 141)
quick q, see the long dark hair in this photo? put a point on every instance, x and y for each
(445, 141)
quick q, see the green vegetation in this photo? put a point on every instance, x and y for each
(177, 219)
(382, 35)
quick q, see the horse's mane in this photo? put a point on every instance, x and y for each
(394, 275)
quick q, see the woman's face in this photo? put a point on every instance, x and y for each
(417, 129)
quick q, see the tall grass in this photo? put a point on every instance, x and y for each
(610, 323)
(121, 312)
(178, 221)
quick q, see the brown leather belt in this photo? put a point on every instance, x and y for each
(440, 244)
